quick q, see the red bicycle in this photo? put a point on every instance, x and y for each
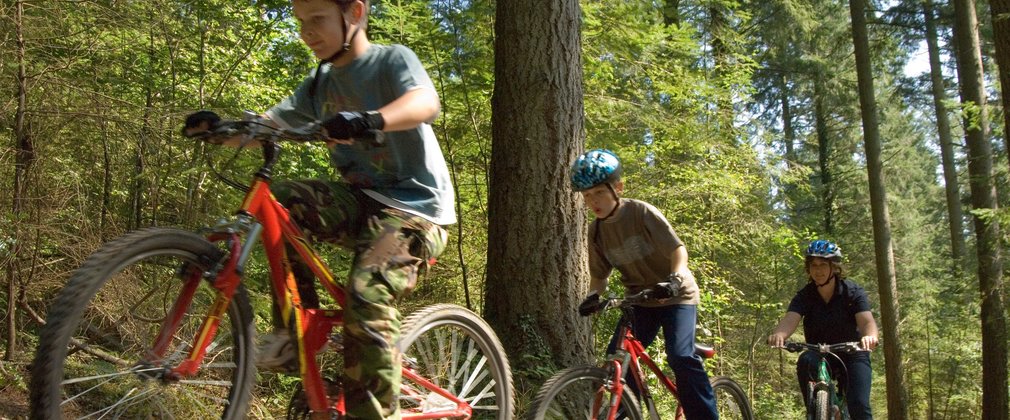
(157, 324)
(600, 392)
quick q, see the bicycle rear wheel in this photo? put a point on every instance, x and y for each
(458, 352)
(731, 400)
(580, 393)
(94, 358)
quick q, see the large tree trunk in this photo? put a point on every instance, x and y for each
(1000, 10)
(983, 197)
(537, 266)
(955, 216)
(883, 251)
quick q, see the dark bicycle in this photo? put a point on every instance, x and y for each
(824, 399)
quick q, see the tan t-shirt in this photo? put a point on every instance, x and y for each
(639, 242)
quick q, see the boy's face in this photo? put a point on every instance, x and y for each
(321, 27)
(601, 200)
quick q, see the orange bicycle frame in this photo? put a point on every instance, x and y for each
(265, 218)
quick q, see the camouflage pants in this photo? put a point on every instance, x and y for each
(390, 248)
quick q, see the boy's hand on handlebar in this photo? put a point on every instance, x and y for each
(349, 125)
(670, 288)
(200, 122)
(590, 304)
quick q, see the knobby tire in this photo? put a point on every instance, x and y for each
(731, 400)
(572, 393)
(91, 360)
(822, 406)
(459, 352)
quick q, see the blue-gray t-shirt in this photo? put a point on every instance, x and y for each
(408, 173)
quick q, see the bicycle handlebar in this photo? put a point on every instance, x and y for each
(847, 348)
(630, 300)
(264, 133)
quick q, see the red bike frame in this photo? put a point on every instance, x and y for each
(313, 325)
(635, 353)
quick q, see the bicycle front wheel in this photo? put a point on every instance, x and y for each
(731, 400)
(457, 351)
(581, 393)
(95, 357)
(822, 409)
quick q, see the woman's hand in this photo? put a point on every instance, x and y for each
(869, 342)
(777, 340)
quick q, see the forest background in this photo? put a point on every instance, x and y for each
(740, 120)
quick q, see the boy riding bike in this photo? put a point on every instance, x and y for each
(634, 237)
(390, 206)
(834, 310)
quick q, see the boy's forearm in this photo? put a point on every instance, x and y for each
(597, 285)
(678, 261)
(410, 110)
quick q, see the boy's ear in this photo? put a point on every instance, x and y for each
(619, 186)
(357, 10)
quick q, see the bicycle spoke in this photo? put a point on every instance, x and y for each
(450, 346)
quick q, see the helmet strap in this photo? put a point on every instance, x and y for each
(819, 285)
(346, 47)
(616, 198)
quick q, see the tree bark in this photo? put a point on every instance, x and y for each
(983, 197)
(897, 407)
(671, 12)
(537, 264)
(1000, 11)
(823, 154)
(24, 156)
(955, 215)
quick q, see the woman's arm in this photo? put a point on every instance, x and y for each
(867, 327)
(787, 325)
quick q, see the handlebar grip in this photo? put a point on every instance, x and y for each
(373, 138)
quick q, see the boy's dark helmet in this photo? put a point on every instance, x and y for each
(824, 249)
(595, 167)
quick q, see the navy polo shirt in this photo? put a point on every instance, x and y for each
(832, 322)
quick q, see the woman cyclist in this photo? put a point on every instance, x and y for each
(834, 310)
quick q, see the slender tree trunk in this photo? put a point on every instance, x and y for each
(823, 155)
(897, 407)
(955, 216)
(929, 369)
(1000, 11)
(788, 133)
(719, 28)
(671, 12)
(537, 271)
(983, 197)
(24, 156)
(106, 180)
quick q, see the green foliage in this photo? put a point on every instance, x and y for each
(695, 111)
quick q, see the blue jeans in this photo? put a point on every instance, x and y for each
(678, 323)
(855, 386)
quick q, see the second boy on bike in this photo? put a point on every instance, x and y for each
(634, 237)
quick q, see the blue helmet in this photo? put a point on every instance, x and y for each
(824, 249)
(593, 168)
